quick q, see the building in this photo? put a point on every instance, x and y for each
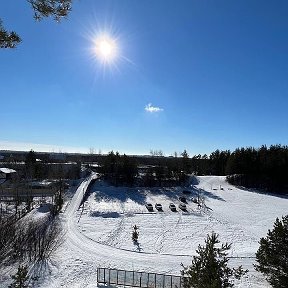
(6, 174)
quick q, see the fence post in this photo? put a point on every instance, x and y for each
(148, 280)
(109, 276)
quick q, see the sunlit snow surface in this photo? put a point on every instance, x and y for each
(99, 234)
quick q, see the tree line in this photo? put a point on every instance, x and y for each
(263, 168)
(135, 170)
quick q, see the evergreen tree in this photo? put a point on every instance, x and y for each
(42, 9)
(30, 164)
(119, 169)
(209, 269)
(20, 278)
(272, 255)
(55, 8)
(58, 202)
(8, 39)
(128, 169)
(135, 234)
(186, 165)
(218, 161)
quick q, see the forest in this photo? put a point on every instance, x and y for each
(264, 168)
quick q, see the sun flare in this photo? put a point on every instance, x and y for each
(106, 49)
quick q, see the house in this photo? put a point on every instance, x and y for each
(6, 174)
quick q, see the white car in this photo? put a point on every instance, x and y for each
(158, 206)
(183, 206)
(172, 207)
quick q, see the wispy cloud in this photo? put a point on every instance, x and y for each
(152, 109)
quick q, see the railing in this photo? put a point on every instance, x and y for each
(137, 279)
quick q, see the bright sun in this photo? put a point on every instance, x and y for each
(106, 49)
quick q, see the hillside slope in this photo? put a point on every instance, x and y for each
(99, 234)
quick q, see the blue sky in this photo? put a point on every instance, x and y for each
(217, 71)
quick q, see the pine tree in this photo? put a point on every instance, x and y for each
(57, 9)
(8, 39)
(186, 165)
(272, 255)
(135, 234)
(20, 278)
(209, 269)
(30, 164)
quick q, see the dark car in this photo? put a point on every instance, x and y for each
(194, 200)
(182, 199)
(182, 206)
(158, 206)
(172, 207)
(149, 207)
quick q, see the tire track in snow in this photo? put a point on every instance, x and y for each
(234, 232)
(161, 238)
(112, 236)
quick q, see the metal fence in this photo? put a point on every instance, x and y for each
(137, 279)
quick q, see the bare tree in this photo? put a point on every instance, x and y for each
(29, 240)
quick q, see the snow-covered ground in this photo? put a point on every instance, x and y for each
(98, 234)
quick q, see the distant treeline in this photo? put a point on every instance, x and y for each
(264, 168)
(32, 166)
(126, 170)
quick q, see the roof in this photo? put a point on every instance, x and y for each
(7, 170)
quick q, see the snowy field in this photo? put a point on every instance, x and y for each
(99, 233)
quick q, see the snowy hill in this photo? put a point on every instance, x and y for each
(99, 234)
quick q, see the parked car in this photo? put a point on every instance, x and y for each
(149, 207)
(172, 207)
(158, 206)
(182, 199)
(194, 200)
(182, 206)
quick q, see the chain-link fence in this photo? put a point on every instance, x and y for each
(137, 279)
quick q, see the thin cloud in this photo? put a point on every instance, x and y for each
(152, 109)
